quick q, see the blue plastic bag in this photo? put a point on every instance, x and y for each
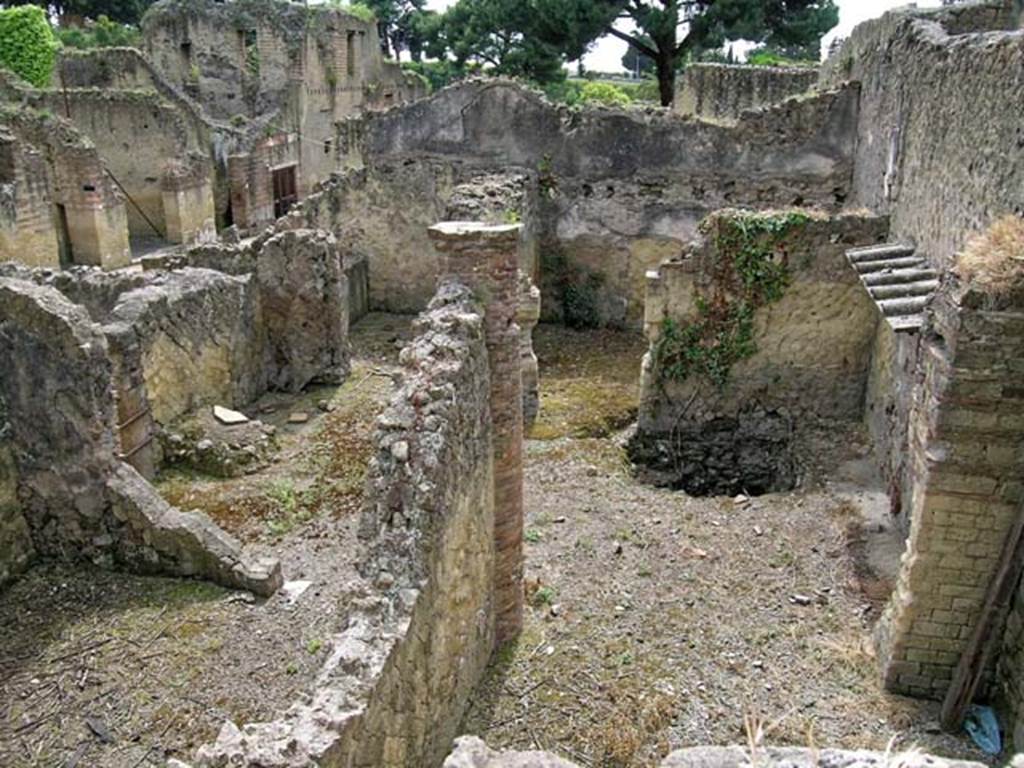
(983, 728)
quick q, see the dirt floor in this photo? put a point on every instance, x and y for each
(659, 621)
(656, 620)
(105, 670)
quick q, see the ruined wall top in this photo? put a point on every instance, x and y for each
(725, 91)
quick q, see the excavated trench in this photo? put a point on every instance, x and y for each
(752, 454)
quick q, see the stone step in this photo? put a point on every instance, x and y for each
(903, 262)
(900, 282)
(904, 305)
(879, 252)
(906, 323)
(903, 290)
(897, 276)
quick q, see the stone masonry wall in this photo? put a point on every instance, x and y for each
(813, 344)
(422, 629)
(966, 455)
(925, 68)
(620, 191)
(725, 91)
(79, 499)
(28, 232)
(200, 340)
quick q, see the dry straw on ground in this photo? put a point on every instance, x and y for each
(994, 259)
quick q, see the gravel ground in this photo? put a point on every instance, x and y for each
(107, 670)
(659, 621)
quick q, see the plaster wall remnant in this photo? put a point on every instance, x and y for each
(393, 691)
(726, 91)
(717, 415)
(485, 257)
(618, 191)
(79, 499)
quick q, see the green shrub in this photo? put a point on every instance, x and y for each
(27, 44)
(604, 93)
(102, 33)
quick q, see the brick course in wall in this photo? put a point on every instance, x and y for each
(966, 455)
(486, 258)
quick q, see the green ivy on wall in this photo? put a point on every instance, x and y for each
(749, 272)
(27, 44)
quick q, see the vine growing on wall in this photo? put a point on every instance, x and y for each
(749, 271)
(28, 46)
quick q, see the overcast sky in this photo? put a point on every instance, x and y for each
(606, 55)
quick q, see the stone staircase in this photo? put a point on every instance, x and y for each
(900, 282)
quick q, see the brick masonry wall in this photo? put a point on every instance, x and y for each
(725, 91)
(966, 455)
(486, 257)
(28, 232)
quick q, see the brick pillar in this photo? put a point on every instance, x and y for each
(485, 257)
(964, 469)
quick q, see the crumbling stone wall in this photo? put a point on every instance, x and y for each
(94, 219)
(919, 69)
(393, 691)
(964, 469)
(381, 213)
(725, 91)
(197, 335)
(619, 191)
(303, 298)
(16, 550)
(813, 342)
(28, 232)
(79, 499)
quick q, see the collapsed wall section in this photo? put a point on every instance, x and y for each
(79, 500)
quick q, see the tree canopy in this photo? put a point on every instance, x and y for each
(534, 37)
(27, 45)
(74, 12)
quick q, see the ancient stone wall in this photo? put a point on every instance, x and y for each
(79, 499)
(143, 142)
(725, 91)
(619, 191)
(812, 338)
(380, 214)
(28, 232)
(1011, 669)
(91, 209)
(964, 467)
(921, 69)
(199, 337)
(303, 305)
(393, 691)
(16, 550)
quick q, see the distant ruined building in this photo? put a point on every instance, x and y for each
(224, 117)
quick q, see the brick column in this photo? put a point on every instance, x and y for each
(965, 466)
(485, 257)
